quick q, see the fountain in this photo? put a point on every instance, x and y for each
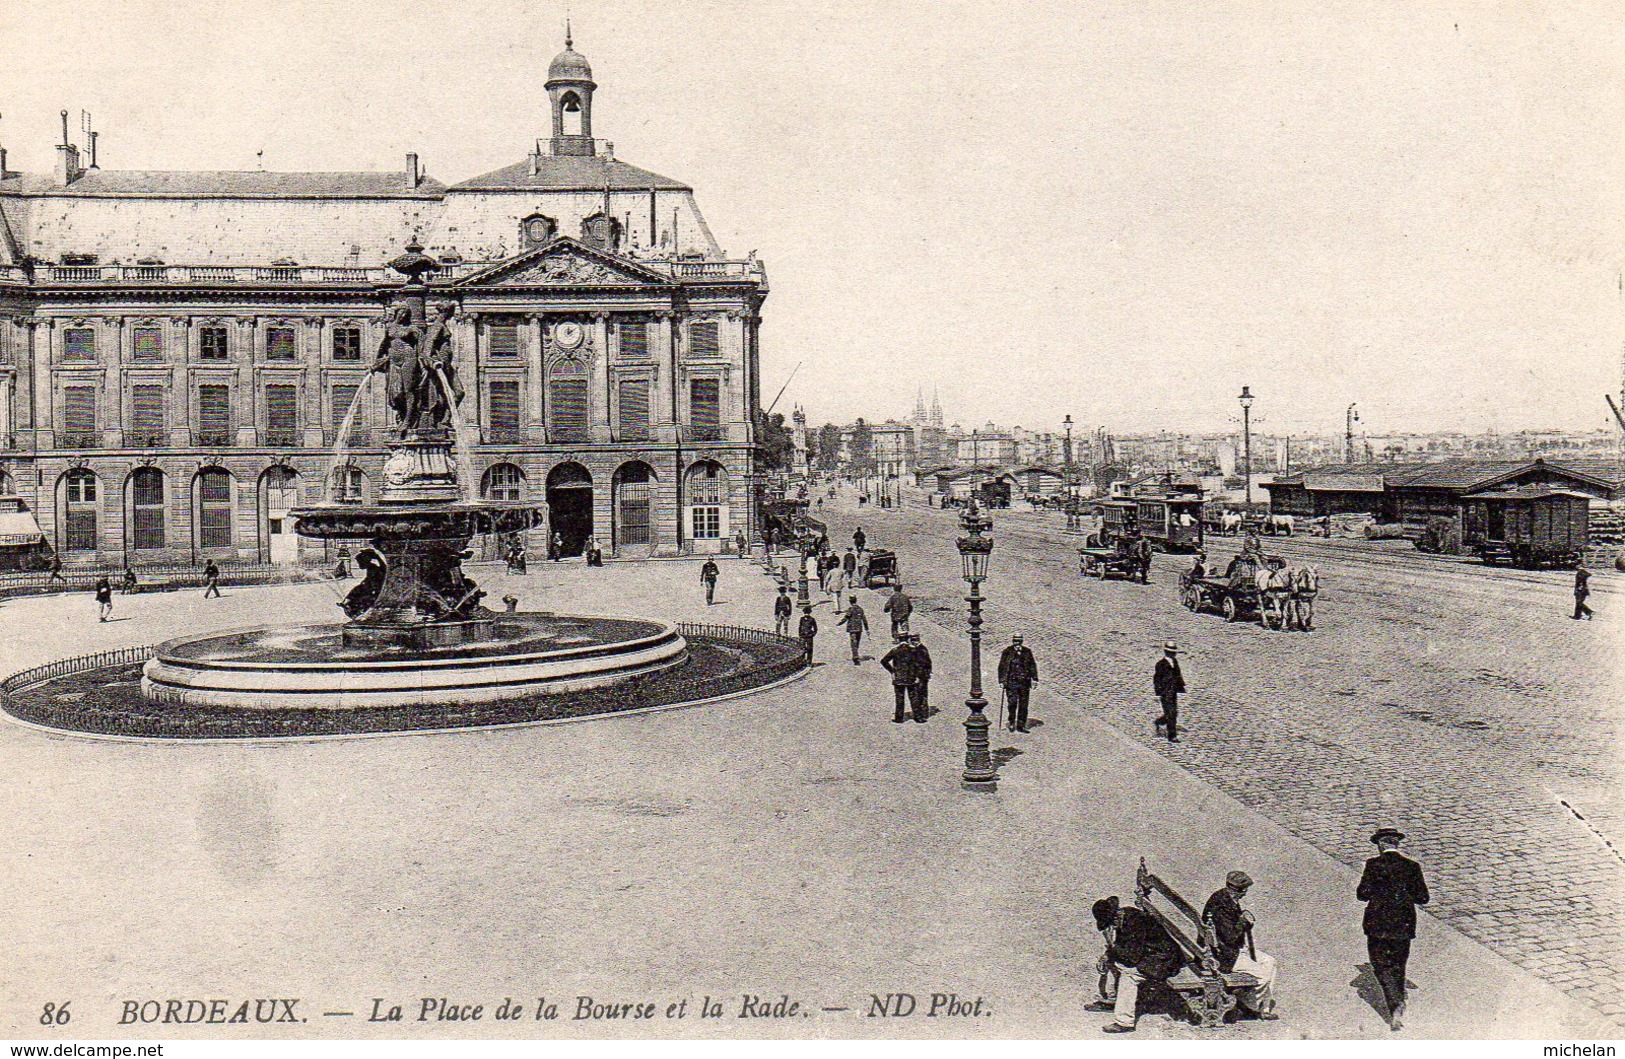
(418, 632)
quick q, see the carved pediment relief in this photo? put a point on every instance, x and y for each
(564, 263)
(565, 269)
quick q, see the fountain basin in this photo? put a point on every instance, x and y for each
(321, 667)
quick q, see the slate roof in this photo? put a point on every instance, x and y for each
(1527, 492)
(1456, 474)
(228, 185)
(1313, 477)
(570, 172)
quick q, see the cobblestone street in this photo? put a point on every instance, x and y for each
(1457, 703)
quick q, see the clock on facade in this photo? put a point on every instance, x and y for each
(568, 335)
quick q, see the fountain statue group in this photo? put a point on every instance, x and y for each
(420, 374)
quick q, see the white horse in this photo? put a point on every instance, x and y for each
(1230, 523)
(1274, 594)
(1278, 525)
(1305, 587)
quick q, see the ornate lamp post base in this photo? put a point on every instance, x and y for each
(978, 760)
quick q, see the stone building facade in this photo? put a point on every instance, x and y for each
(180, 352)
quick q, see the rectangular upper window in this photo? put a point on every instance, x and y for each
(147, 343)
(79, 343)
(504, 407)
(79, 409)
(147, 410)
(212, 343)
(504, 337)
(634, 335)
(705, 409)
(634, 402)
(280, 343)
(343, 397)
(281, 412)
(703, 340)
(567, 408)
(214, 411)
(346, 343)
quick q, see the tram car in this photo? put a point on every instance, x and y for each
(789, 521)
(1527, 526)
(1171, 523)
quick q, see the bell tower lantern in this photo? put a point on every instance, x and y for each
(569, 90)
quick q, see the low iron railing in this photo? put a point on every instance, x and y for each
(783, 658)
(69, 666)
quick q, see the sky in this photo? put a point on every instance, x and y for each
(1121, 212)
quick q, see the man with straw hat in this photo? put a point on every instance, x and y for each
(1169, 683)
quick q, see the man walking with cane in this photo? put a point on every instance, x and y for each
(1018, 672)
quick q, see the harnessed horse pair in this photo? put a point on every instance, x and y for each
(1286, 595)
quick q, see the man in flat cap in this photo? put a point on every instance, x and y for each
(1232, 928)
(1391, 887)
(1137, 949)
(1168, 682)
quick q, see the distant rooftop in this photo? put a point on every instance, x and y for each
(567, 172)
(227, 184)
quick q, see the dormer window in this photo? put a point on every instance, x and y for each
(80, 259)
(601, 231)
(537, 229)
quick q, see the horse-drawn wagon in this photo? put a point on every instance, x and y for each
(1279, 596)
(1108, 562)
(1235, 595)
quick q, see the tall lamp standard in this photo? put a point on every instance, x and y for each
(1246, 400)
(974, 551)
(1349, 420)
(1066, 472)
(804, 543)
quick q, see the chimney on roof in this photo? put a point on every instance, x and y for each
(67, 158)
(414, 176)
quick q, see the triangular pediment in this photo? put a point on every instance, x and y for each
(565, 262)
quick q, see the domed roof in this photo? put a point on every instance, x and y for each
(569, 64)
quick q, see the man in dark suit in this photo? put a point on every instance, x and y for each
(1137, 949)
(920, 696)
(1018, 672)
(1169, 683)
(1391, 887)
(899, 662)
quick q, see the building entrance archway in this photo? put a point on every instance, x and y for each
(569, 506)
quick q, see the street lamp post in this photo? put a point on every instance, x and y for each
(974, 551)
(1349, 420)
(1246, 400)
(803, 544)
(1066, 472)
